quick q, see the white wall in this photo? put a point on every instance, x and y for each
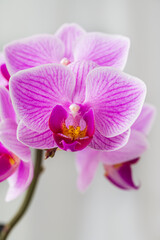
(59, 211)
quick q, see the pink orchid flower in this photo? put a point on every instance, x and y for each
(4, 75)
(70, 43)
(15, 158)
(117, 164)
(121, 174)
(75, 106)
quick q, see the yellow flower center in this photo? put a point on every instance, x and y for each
(73, 132)
(13, 160)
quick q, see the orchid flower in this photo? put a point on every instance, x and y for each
(75, 106)
(117, 164)
(121, 174)
(15, 158)
(70, 43)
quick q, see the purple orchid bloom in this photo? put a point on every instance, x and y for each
(116, 163)
(75, 106)
(70, 43)
(121, 174)
(4, 74)
(15, 158)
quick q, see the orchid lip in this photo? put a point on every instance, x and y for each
(121, 174)
(66, 143)
(8, 163)
(70, 129)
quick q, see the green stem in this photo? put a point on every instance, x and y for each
(27, 200)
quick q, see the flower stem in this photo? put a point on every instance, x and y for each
(27, 200)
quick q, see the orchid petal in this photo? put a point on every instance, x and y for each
(135, 147)
(69, 34)
(99, 142)
(57, 118)
(20, 180)
(3, 81)
(34, 139)
(89, 119)
(8, 136)
(81, 70)
(32, 52)
(105, 50)
(3, 72)
(145, 120)
(6, 108)
(36, 91)
(116, 99)
(121, 175)
(87, 162)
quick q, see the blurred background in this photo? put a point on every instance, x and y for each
(103, 212)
